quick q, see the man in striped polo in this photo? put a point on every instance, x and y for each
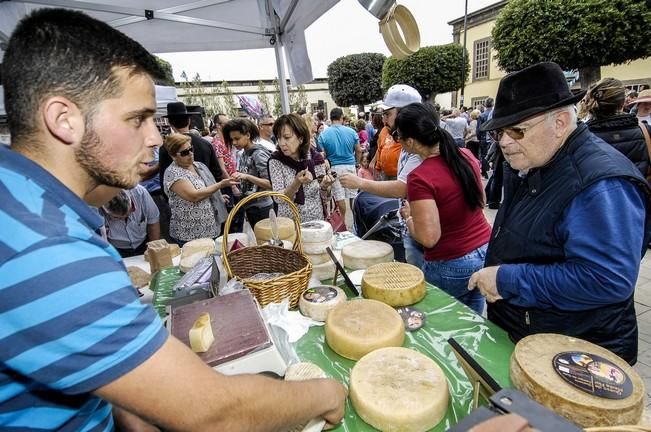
(75, 341)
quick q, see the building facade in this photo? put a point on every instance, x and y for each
(485, 74)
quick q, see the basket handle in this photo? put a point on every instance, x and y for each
(298, 244)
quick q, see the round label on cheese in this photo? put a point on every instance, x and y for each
(316, 302)
(593, 374)
(412, 317)
(399, 389)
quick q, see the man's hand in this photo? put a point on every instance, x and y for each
(350, 181)
(405, 210)
(240, 176)
(339, 394)
(486, 281)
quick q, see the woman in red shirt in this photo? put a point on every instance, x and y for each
(444, 212)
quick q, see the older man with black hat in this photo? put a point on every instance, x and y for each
(566, 245)
(179, 118)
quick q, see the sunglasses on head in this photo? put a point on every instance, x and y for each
(396, 135)
(185, 152)
(515, 132)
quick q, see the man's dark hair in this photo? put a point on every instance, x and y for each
(336, 113)
(489, 103)
(179, 122)
(67, 53)
(320, 115)
(241, 125)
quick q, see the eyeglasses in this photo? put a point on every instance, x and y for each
(386, 112)
(515, 132)
(396, 135)
(185, 152)
(266, 124)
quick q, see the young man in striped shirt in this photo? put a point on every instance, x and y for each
(75, 341)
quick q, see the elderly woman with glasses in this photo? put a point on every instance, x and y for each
(297, 170)
(196, 203)
(445, 204)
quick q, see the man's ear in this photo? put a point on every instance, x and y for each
(63, 119)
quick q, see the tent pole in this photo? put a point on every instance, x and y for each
(282, 77)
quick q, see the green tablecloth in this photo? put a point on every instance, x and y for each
(446, 318)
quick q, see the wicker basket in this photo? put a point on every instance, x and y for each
(246, 262)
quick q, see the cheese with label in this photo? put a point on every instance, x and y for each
(193, 251)
(316, 302)
(533, 373)
(357, 327)
(201, 336)
(286, 229)
(362, 254)
(241, 237)
(317, 248)
(394, 283)
(316, 231)
(399, 390)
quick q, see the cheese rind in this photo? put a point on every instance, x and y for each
(201, 335)
(396, 284)
(357, 327)
(317, 248)
(316, 231)
(532, 373)
(286, 229)
(317, 302)
(303, 371)
(362, 254)
(399, 390)
(193, 251)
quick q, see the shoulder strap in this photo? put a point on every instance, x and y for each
(647, 138)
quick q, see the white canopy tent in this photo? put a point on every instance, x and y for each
(202, 25)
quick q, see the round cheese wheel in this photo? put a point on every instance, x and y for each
(317, 248)
(316, 302)
(362, 254)
(193, 251)
(303, 371)
(394, 283)
(316, 231)
(286, 229)
(241, 237)
(357, 327)
(533, 373)
(291, 239)
(324, 271)
(318, 258)
(399, 390)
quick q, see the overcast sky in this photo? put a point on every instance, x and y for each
(345, 29)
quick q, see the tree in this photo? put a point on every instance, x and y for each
(430, 70)
(356, 79)
(263, 98)
(231, 109)
(576, 34)
(297, 99)
(277, 106)
(168, 79)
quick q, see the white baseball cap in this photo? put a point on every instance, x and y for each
(400, 95)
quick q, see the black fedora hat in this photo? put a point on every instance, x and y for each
(178, 109)
(533, 90)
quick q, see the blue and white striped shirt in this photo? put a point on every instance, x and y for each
(70, 320)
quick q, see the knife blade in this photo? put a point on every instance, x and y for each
(275, 241)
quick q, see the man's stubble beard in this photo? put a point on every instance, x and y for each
(88, 156)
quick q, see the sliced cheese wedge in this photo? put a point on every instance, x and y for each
(201, 336)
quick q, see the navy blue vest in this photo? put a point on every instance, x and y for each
(523, 232)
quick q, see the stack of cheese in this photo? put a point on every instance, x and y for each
(286, 230)
(362, 254)
(317, 235)
(193, 251)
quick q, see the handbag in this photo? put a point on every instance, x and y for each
(647, 138)
(335, 218)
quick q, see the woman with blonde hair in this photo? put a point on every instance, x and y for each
(604, 104)
(196, 203)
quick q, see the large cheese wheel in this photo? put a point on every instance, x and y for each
(532, 372)
(324, 271)
(318, 258)
(316, 231)
(316, 302)
(286, 229)
(193, 251)
(317, 248)
(291, 239)
(362, 254)
(355, 328)
(396, 284)
(399, 390)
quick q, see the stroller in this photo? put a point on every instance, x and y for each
(376, 218)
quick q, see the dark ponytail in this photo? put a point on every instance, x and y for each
(421, 123)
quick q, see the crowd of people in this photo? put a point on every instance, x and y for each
(88, 165)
